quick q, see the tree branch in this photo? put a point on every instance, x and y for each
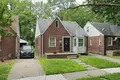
(96, 4)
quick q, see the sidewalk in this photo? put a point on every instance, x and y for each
(49, 77)
(107, 58)
(76, 75)
(25, 68)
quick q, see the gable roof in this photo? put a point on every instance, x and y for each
(74, 28)
(106, 29)
(70, 26)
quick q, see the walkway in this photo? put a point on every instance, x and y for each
(89, 67)
(25, 68)
(91, 71)
(105, 57)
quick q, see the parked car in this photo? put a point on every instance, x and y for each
(26, 51)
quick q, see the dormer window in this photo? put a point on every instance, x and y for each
(57, 23)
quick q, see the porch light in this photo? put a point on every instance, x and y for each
(60, 41)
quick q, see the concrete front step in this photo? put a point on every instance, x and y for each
(62, 55)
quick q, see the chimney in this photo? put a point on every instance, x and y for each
(61, 18)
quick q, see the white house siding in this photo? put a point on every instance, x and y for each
(37, 33)
(77, 49)
(92, 30)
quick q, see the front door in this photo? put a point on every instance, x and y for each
(66, 44)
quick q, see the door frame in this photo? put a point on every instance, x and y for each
(63, 42)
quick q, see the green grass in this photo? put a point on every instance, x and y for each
(56, 66)
(116, 57)
(98, 63)
(115, 76)
(5, 69)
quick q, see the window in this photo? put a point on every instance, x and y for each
(52, 42)
(57, 23)
(80, 42)
(74, 42)
(99, 41)
(87, 29)
(90, 42)
(109, 41)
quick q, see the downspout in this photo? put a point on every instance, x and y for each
(42, 45)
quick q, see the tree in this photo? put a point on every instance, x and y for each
(27, 18)
(106, 8)
(5, 16)
(111, 13)
(81, 15)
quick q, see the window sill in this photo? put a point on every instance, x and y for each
(52, 47)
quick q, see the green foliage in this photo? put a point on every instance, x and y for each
(99, 63)
(27, 18)
(5, 69)
(56, 66)
(81, 15)
(115, 76)
(111, 13)
(5, 16)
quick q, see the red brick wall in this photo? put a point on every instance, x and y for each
(95, 48)
(8, 46)
(53, 31)
(38, 46)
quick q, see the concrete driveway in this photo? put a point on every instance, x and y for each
(24, 68)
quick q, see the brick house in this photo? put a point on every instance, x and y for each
(103, 38)
(9, 46)
(59, 36)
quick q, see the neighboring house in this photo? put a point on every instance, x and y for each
(102, 37)
(9, 46)
(59, 36)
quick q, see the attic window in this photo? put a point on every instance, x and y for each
(57, 23)
(87, 29)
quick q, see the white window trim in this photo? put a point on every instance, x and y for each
(54, 42)
(99, 41)
(90, 42)
(110, 42)
(79, 42)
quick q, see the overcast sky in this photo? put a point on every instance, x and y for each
(78, 1)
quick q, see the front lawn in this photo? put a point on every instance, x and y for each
(115, 76)
(98, 63)
(5, 69)
(116, 57)
(56, 66)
